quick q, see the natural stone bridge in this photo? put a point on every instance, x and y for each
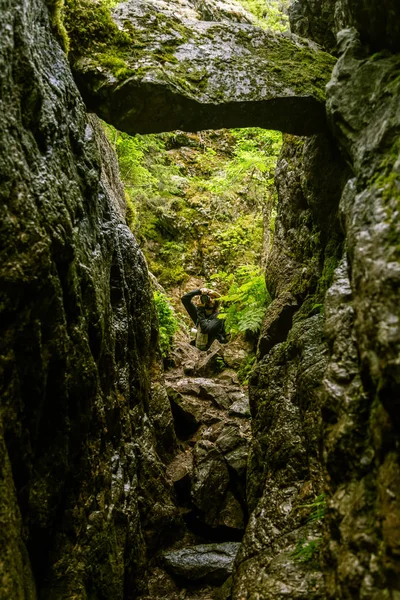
(166, 73)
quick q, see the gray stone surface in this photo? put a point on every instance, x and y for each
(358, 391)
(187, 74)
(278, 575)
(315, 20)
(378, 21)
(210, 562)
(241, 407)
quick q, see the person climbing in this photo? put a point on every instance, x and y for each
(205, 317)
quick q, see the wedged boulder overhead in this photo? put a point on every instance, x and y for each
(163, 72)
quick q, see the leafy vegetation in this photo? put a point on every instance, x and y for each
(245, 302)
(196, 202)
(270, 14)
(246, 368)
(307, 550)
(317, 508)
(168, 322)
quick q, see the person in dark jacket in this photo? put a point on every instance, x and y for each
(205, 316)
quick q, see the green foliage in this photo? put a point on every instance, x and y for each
(246, 300)
(168, 268)
(307, 551)
(269, 13)
(197, 199)
(220, 364)
(317, 508)
(252, 166)
(168, 322)
(148, 181)
(237, 240)
(246, 368)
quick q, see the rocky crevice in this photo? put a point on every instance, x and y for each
(208, 470)
(86, 502)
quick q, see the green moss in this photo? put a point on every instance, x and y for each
(300, 68)
(56, 9)
(330, 264)
(90, 27)
(387, 183)
(117, 65)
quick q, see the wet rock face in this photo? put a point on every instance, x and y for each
(315, 20)
(187, 74)
(362, 383)
(378, 22)
(307, 239)
(284, 474)
(370, 205)
(360, 387)
(280, 554)
(212, 421)
(78, 466)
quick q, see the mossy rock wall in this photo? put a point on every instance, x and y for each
(78, 341)
(356, 391)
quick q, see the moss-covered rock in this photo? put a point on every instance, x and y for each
(161, 72)
(78, 342)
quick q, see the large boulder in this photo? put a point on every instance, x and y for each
(161, 72)
(362, 382)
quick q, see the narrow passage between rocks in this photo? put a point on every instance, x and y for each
(212, 421)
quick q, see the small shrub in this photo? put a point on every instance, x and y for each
(167, 321)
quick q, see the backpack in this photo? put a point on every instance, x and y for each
(201, 340)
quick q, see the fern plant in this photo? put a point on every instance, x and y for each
(246, 300)
(167, 321)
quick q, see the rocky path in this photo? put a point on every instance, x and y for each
(212, 422)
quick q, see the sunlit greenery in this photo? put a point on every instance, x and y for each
(168, 322)
(196, 201)
(244, 304)
(270, 14)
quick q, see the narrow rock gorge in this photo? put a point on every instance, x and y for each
(126, 475)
